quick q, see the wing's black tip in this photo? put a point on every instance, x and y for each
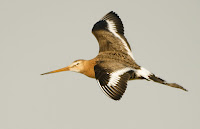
(104, 23)
(100, 25)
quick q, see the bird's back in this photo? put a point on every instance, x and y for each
(113, 56)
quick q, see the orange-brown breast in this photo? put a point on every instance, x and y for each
(89, 68)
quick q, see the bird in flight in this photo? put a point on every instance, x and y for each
(114, 65)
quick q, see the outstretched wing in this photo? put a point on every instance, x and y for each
(109, 32)
(113, 79)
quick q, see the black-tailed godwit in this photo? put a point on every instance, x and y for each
(114, 65)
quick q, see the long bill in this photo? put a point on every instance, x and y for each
(58, 70)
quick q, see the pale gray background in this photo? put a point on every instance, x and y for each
(42, 35)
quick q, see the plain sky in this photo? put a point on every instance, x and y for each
(42, 35)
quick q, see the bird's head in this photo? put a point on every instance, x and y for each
(76, 66)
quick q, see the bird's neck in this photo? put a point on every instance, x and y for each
(88, 69)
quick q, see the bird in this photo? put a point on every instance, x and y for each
(114, 65)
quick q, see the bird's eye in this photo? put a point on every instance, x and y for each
(77, 63)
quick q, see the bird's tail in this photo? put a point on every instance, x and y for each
(150, 76)
(159, 80)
